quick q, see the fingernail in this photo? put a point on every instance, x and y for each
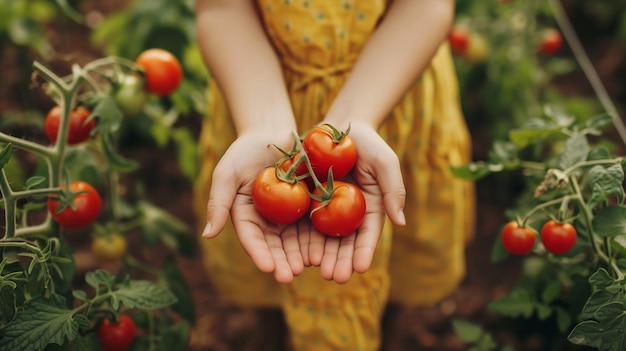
(401, 218)
(207, 230)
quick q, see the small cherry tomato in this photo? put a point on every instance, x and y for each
(111, 247)
(87, 207)
(558, 238)
(459, 40)
(518, 240)
(279, 201)
(478, 48)
(162, 70)
(550, 41)
(117, 336)
(79, 130)
(329, 148)
(340, 215)
(130, 95)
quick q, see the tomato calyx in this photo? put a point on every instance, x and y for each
(337, 135)
(65, 197)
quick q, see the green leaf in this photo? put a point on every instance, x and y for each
(586, 333)
(596, 123)
(115, 160)
(8, 305)
(551, 292)
(142, 294)
(99, 277)
(563, 320)
(5, 154)
(606, 182)
(525, 137)
(175, 337)
(575, 150)
(467, 331)
(158, 224)
(596, 300)
(187, 152)
(518, 303)
(601, 279)
(43, 321)
(609, 313)
(610, 221)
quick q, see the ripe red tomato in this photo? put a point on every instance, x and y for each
(279, 201)
(88, 204)
(162, 69)
(459, 40)
(342, 214)
(78, 131)
(327, 147)
(117, 336)
(550, 41)
(558, 238)
(518, 240)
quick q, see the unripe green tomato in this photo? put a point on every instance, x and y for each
(130, 95)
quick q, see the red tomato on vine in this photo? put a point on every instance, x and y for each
(550, 41)
(558, 238)
(117, 336)
(329, 148)
(280, 201)
(458, 37)
(342, 213)
(87, 205)
(163, 71)
(518, 240)
(79, 128)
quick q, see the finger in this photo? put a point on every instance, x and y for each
(366, 241)
(292, 249)
(255, 245)
(317, 243)
(389, 178)
(304, 238)
(221, 198)
(327, 266)
(282, 269)
(344, 266)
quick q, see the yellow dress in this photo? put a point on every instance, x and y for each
(420, 263)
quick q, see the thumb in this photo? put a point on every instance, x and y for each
(221, 197)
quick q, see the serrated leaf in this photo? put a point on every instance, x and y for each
(596, 123)
(609, 313)
(596, 300)
(575, 150)
(586, 333)
(99, 277)
(606, 182)
(144, 295)
(601, 279)
(610, 221)
(43, 321)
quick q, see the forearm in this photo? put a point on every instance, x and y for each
(396, 54)
(244, 65)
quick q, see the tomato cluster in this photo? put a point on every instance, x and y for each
(556, 237)
(308, 180)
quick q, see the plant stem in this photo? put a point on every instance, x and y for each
(592, 163)
(545, 205)
(585, 63)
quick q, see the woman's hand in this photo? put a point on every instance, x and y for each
(271, 247)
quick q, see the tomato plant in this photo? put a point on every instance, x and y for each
(80, 210)
(118, 335)
(130, 95)
(550, 41)
(328, 148)
(109, 247)
(279, 197)
(163, 72)
(517, 239)
(339, 210)
(80, 126)
(558, 238)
